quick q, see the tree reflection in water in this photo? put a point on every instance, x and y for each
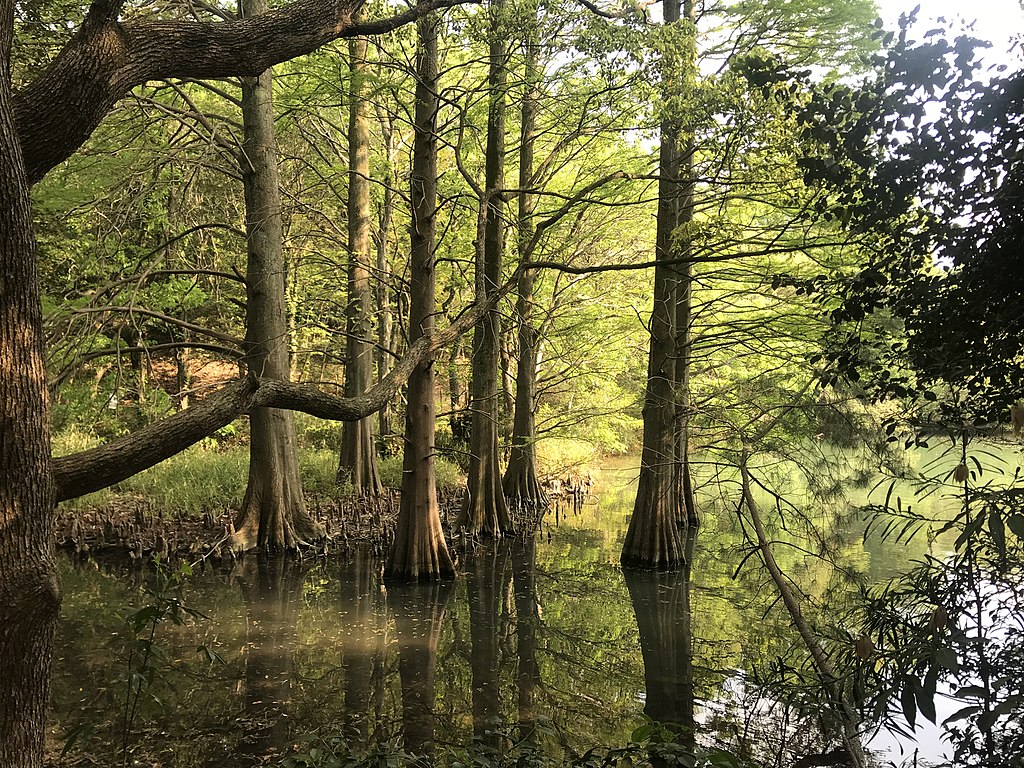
(488, 576)
(661, 601)
(272, 590)
(362, 645)
(524, 576)
(418, 609)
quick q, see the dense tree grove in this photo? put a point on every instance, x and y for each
(715, 234)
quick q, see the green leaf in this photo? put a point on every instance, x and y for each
(947, 659)
(908, 701)
(996, 528)
(925, 704)
(962, 714)
(1016, 524)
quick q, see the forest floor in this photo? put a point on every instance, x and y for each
(129, 527)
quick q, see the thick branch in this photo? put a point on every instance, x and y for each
(105, 59)
(117, 460)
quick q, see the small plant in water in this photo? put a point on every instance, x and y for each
(164, 603)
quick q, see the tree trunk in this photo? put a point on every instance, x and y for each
(843, 709)
(686, 190)
(520, 484)
(383, 285)
(485, 510)
(419, 551)
(653, 540)
(29, 585)
(358, 461)
(273, 514)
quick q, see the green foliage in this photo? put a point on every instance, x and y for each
(449, 475)
(950, 625)
(143, 653)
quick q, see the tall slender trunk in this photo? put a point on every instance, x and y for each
(686, 192)
(419, 551)
(520, 483)
(383, 285)
(653, 538)
(29, 584)
(358, 460)
(273, 514)
(485, 510)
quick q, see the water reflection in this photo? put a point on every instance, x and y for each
(524, 579)
(661, 602)
(272, 590)
(488, 576)
(419, 610)
(362, 644)
(325, 648)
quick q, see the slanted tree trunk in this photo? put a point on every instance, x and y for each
(29, 585)
(419, 551)
(273, 514)
(485, 510)
(419, 617)
(653, 540)
(843, 709)
(358, 462)
(520, 484)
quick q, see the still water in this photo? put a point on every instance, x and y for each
(546, 630)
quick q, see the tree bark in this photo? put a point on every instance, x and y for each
(29, 585)
(273, 515)
(384, 289)
(419, 551)
(653, 539)
(485, 510)
(683, 357)
(521, 484)
(358, 460)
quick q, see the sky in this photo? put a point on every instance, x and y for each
(995, 20)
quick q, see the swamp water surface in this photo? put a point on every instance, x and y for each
(546, 630)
